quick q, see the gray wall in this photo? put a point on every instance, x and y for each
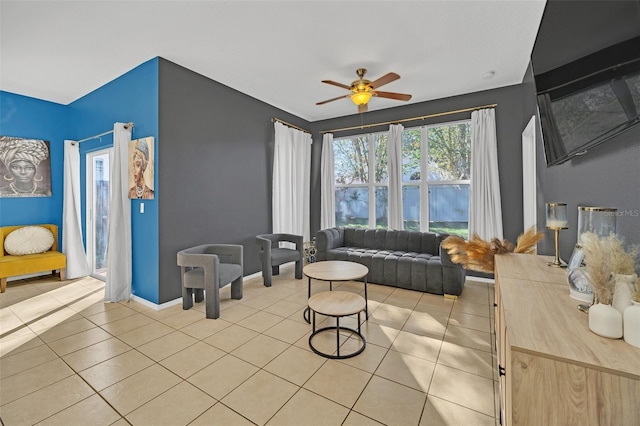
(215, 152)
(606, 176)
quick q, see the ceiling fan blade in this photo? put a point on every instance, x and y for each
(344, 86)
(332, 99)
(392, 95)
(385, 79)
(362, 108)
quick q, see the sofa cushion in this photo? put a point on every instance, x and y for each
(28, 240)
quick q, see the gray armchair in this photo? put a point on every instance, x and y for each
(208, 268)
(272, 255)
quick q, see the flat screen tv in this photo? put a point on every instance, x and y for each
(589, 101)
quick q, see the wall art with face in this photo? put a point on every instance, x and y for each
(141, 174)
(25, 167)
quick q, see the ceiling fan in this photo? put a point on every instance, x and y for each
(362, 90)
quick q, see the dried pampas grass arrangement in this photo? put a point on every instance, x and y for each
(622, 261)
(478, 254)
(604, 257)
(598, 261)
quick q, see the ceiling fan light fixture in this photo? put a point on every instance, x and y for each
(361, 98)
(362, 90)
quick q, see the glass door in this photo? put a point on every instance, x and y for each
(97, 196)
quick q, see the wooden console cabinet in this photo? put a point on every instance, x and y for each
(552, 369)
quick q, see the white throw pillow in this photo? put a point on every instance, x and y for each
(28, 240)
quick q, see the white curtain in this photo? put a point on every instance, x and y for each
(118, 286)
(327, 195)
(72, 245)
(394, 165)
(529, 187)
(485, 209)
(291, 180)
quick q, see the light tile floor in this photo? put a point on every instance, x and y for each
(68, 358)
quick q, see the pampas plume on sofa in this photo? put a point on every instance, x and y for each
(478, 254)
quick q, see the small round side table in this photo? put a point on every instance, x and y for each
(336, 304)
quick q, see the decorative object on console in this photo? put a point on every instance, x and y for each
(605, 321)
(557, 220)
(600, 221)
(623, 267)
(605, 257)
(635, 290)
(622, 291)
(580, 287)
(631, 316)
(478, 255)
(631, 321)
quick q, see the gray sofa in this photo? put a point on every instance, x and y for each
(406, 259)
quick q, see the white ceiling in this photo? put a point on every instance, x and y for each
(275, 51)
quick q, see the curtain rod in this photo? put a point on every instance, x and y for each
(274, 119)
(422, 117)
(126, 126)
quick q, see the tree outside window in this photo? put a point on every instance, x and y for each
(439, 203)
(361, 191)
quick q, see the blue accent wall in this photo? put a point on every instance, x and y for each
(130, 97)
(26, 117)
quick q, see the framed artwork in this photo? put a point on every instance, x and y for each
(141, 174)
(25, 167)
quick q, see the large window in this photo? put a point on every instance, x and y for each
(436, 169)
(361, 190)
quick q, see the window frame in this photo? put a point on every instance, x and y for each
(371, 184)
(422, 184)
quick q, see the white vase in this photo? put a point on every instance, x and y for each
(605, 320)
(632, 324)
(622, 291)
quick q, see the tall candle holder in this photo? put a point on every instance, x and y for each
(602, 222)
(557, 220)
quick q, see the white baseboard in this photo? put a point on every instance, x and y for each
(155, 306)
(178, 300)
(254, 275)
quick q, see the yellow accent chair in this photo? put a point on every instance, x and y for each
(13, 266)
